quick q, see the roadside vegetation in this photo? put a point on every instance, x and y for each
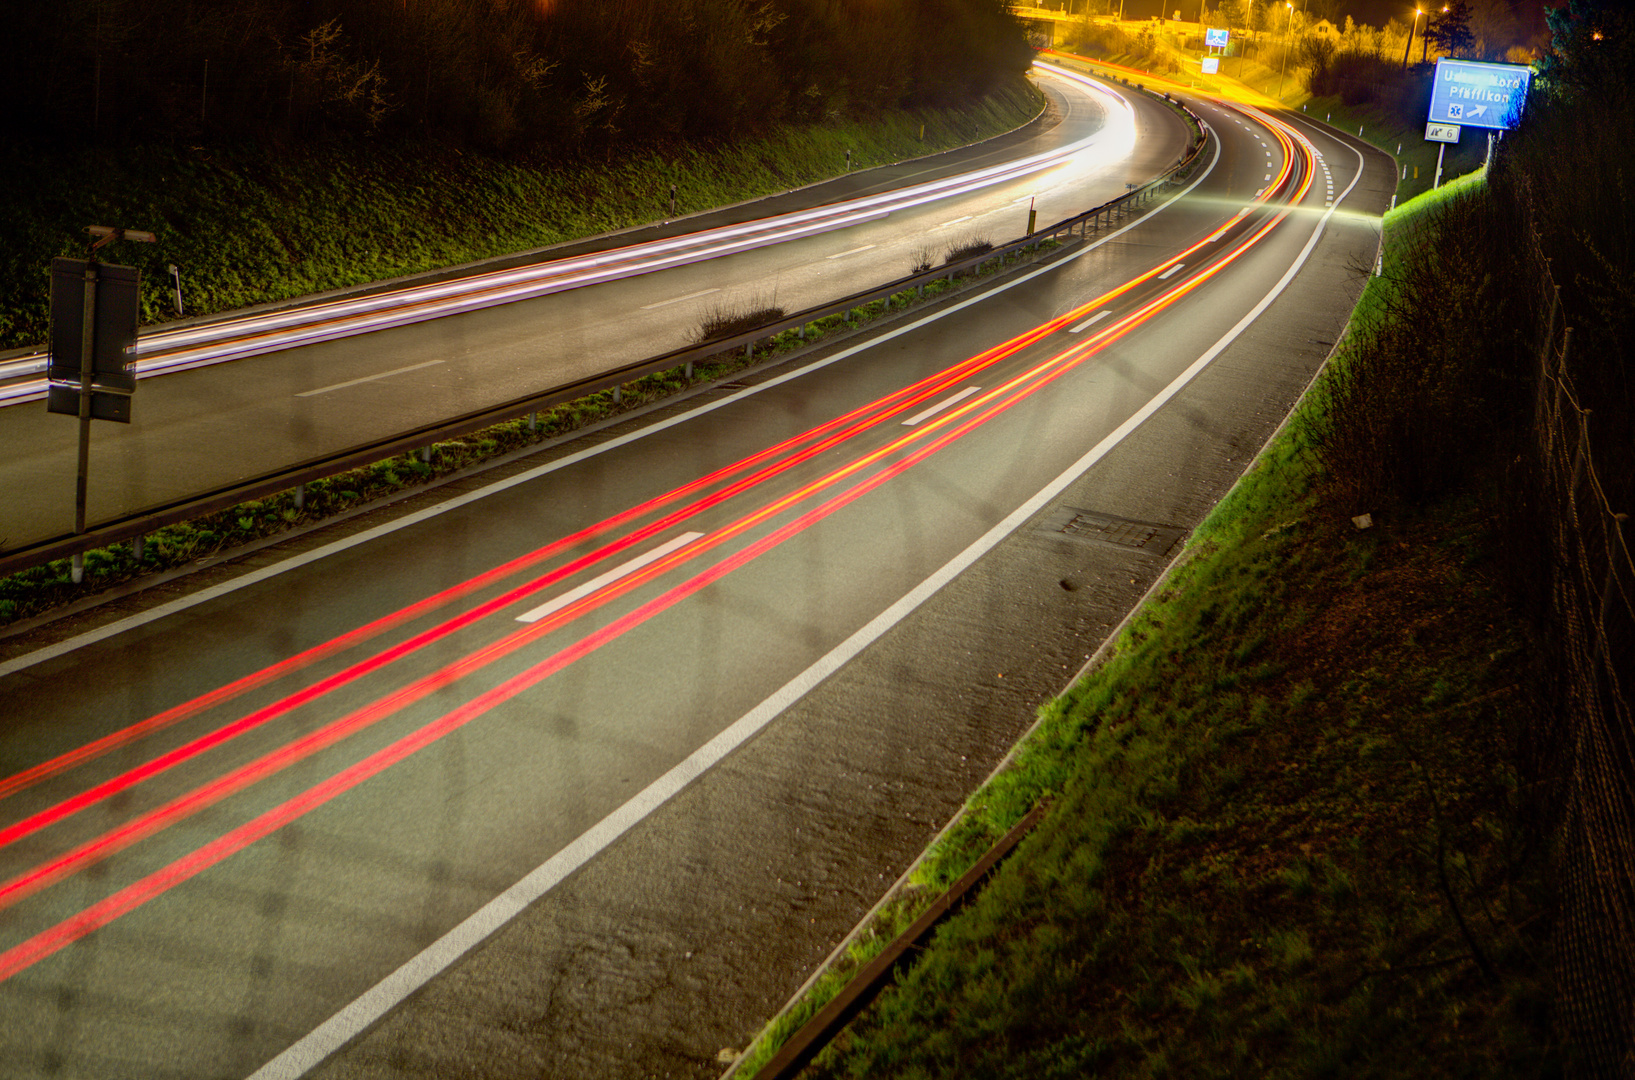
(252, 224)
(1327, 806)
(40, 590)
(558, 78)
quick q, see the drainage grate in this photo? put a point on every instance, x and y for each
(1147, 536)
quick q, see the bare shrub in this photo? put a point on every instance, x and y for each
(727, 320)
(966, 248)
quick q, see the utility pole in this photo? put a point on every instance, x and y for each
(1411, 27)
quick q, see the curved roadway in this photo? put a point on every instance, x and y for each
(197, 430)
(579, 771)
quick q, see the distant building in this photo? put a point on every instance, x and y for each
(1326, 30)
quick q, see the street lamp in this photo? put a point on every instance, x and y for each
(1288, 37)
(1425, 38)
(1411, 27)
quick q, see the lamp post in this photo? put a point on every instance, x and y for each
(1425, 38)
(1288, 37)
(1411, 27)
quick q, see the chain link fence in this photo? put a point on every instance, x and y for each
(1573, 481)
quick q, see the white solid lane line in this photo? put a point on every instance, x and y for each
(935, 409)
(602, 581)
(335, 547)
(853, 251)
(1170, 271)
(367, 378)
(679, 299)
(1092, 320)
(309, 1051)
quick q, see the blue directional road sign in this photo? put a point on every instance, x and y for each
(1478, 95)
(1215, 39)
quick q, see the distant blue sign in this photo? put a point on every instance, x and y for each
(1215, 39)
(1478, 95)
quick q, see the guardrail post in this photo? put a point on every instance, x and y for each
(749, 350)
(533, 422)
(618, 394)
(425, 455)
(689, 371)
(800, 331)
(138, 547)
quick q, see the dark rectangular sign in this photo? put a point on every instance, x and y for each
(118, 311)
(105, 404)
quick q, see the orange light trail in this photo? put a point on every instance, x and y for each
(861, 419)
(951, 426)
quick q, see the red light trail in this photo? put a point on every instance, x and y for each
(765, 464)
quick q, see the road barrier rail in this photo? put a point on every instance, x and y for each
(284, 478)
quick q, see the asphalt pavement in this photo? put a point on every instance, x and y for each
(611, 840)
(201, 430)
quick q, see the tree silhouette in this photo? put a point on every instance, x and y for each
(1449, 29)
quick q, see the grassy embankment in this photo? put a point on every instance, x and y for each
(260, 225)
(490, 202)
(1284, 838)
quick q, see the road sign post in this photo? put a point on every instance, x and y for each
(95, 309)
(1472, 94)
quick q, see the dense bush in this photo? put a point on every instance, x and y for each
(562, 76)
(1411, 410)
(1364, 76)
(1104, 39)
(1498, 366)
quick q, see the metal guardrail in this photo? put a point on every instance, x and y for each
(291, 476)
(811, 1038)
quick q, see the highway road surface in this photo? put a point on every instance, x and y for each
(577, 769)
(197, 429)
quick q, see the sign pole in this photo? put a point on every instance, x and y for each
(87, 352)
(1441, 148)
(110, 309)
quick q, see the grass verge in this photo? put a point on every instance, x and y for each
(1286, 837)
(256, 225)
